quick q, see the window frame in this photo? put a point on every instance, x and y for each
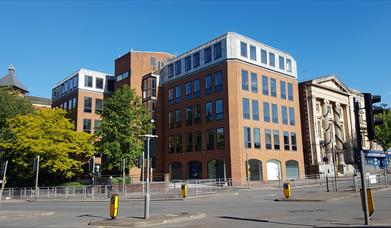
(244, 75)
(243, 49)
(207, 55)
(219, 113)
(246, 110)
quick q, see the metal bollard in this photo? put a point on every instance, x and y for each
(184, 190)
(287, 190)
(114, 206)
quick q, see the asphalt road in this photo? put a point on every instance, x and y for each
(245, 208)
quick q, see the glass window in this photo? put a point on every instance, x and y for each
(290, 91)
(188, 90)
(210, 139)
(272, 59)
(219, 109)
(74, 102)
(98, 106)
(209, 111)
(268, 139)
(274, 113)
(293, 141)
(88, 104)
(99, 83)
(178, 143)
(276, 139)
(266, 112)
(291, 116)
(197, 141)
(243, 49)
(283, 89)
(218, 82)
(247, 137)
(188, 63)
(70, 104)
(273, 89)
(263, 56)
(197, 114)
(220, 141)
(171, 144)
(284, 112)
(207, 55)
(265, 85)
(286, 140)
(170, 70)
(171, 96)
(189, 142)
(217, 50)
(171, 119)
(196, 59)
(177, 67)
(254, 82)
(178, 94)
(97, 124)
(87, 125)
(281, 62)
(208, 85)
(253, 53)
(288, 65)
(255, 109)
(110, 85)
(189, 116)
(257, 138)
(88, 81)
(196, 83)
(178, 118)
(244, 80)
(246, 108)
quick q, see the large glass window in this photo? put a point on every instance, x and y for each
(178, 118)
(217, 50)
(171, 96)
(284, 112)
(178, 94)
(177, 67)
(220, 141)
(110, 85)
(98, 106)
(283, 89)
(209, 111)
(272, 59)
(243, 49)
(99, 83)
(292, 116)
(197, 141)
(97, 124)
(88, 104)
(293, 141)
(257, 138)
(244, 80)
(196, 88)
(266, 112)
(263, 56)
(189, 116)
(274, 113)
(196, 59)
(255, 109)
(219, 109)
(88, 81)
(254, 82)
(188, 90)
(189, 142)
(247, 137)
(207, 55)
(246, 108)
(87, 125)
(286, 140)
(276, 139)
(288, 65)
(170, 69)
(268, 139)
(290, 91)
(171, 144)
(178, 145)
(208, 84)
(253, 53)
(265, 85)
(281, 62)
(188, 63)
(171, 119)
(210, 141)
(218, 82)
(273, 87)
(197, 114)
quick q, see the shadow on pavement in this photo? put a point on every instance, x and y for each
(264, 221)
(91, 216)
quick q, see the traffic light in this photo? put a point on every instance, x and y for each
(370, 112)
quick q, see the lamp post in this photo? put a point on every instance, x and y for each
(147, 197)
(334, 151)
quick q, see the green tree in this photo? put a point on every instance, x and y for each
(124, 119)
(383, 132)
(11, 104)
(50, 135)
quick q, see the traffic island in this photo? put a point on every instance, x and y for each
(317, 196)
(153, 221)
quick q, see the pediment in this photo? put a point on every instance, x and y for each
(332, 82)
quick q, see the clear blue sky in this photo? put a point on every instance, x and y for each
(47, 41)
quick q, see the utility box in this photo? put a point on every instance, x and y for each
(184, 190)
(114, 206)
(287, 190)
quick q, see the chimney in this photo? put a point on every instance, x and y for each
(11, 69)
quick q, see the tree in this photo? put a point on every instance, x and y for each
(50, 135)
(383, 132)
(124, 119)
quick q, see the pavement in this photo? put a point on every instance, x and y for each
(23, 214)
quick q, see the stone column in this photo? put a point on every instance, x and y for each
(338, 133)
(326, 127)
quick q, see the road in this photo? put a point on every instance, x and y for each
(245, 208)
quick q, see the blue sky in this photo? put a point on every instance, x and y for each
(46, 41)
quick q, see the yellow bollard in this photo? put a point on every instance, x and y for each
(184, 190)
(371, 201)
(114, 206)
(287, 190)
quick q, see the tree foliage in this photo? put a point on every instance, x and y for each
(50, 135)
(124, 119)
(383, 132)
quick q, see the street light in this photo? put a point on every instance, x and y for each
(147, 197)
